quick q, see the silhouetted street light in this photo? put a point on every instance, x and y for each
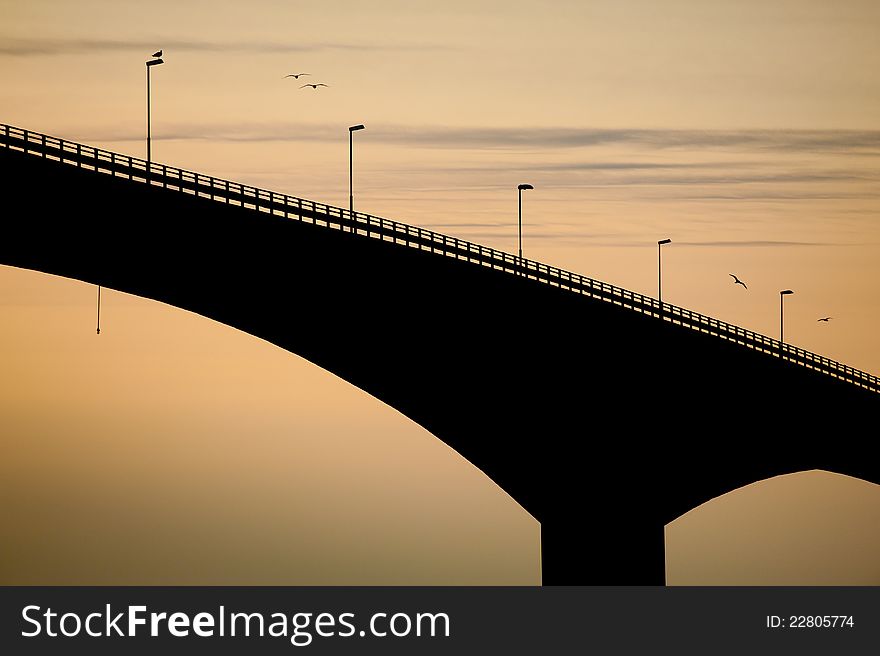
(157, 59)
(150, 64)
(782, 295)
(660, 270)
(519, 192)
(351, 131)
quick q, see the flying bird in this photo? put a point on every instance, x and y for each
(296, 76)
(826, 319)
(737, 281)
(314, 86)
(157, 54)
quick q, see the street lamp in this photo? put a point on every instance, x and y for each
(157, 59)
(660, 270)
(782, 295)
(351, 131)
(519, 189)
(153, 62)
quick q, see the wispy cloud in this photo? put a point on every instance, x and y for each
(714, 175)
(646, 170)
(761, 195)
(606, 240)
(239, 132)
(740, 179)
(822, 141)
(754, 243)
(539, 138)
(716, 183)
(18, 47)
(592, 165)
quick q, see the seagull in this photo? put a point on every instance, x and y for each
(826, 319)
(314, 86)
(296, 76)
(737, 281)
(157, 54)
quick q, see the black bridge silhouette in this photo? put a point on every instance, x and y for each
(601, 411)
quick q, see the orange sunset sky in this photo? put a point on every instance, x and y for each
(172, 449)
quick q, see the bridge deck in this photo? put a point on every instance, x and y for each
(334, 218)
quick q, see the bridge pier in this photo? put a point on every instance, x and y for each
(587, 551)
(600, 530)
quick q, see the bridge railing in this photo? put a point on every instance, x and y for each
(234, 193)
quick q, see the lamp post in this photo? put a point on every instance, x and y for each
(782, 295)
(157, 59)
(351, 131)
(519, 189)
(660, 270)
(153, 62)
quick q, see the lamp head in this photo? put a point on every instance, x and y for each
(664, 241)
(524, 186)
(355, 127)
(785, 292)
